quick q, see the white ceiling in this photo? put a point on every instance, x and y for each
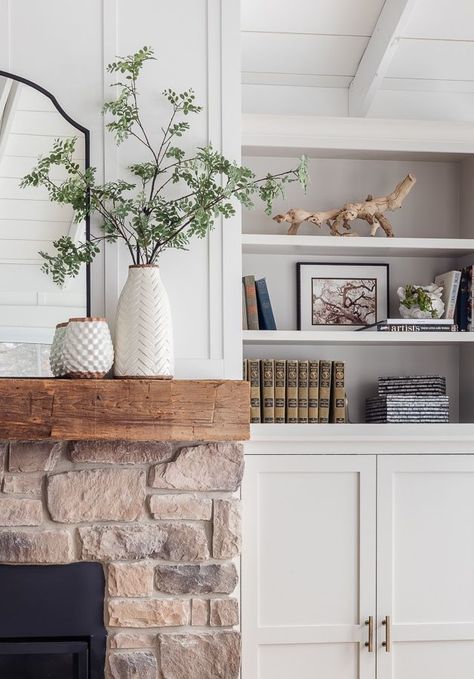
(398, 58)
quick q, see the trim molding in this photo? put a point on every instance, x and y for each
(231, 94)
(109, 155)
(214, 136)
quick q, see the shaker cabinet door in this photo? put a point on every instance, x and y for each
(308, 566)
(425, 566)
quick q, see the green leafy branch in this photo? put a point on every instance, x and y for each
(138, 211)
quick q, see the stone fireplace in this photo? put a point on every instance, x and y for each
(162, 521)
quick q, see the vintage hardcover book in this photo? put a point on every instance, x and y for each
(266, 319)
(268, 390)
(313, 392)
(449, 281)
(245, 325)
(245, 370)
(325, 376)
(338, 399)
(303, 392)
(280, 391)
(254, 377)
(470, 300)
(251, 302)
(292, 391)
(461, 310)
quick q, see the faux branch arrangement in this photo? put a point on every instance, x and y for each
(138, 211)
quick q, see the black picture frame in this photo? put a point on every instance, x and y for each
(299, 266)
(86, 132)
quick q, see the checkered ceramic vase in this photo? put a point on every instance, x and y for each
(56, 354)
(88, 351)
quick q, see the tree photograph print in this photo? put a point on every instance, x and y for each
(344, 301)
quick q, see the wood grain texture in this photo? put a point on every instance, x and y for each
(134, 410)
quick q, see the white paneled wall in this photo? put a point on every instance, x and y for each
(64, 45)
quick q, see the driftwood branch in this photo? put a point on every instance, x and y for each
(339, 220)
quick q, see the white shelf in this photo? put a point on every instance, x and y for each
(353, 338)
(363, 246)
(352, 137)
(363, 432)
(360, 439)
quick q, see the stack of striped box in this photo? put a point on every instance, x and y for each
(417, 398)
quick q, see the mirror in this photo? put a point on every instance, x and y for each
(30, 303)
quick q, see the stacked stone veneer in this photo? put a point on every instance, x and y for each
(165, 524)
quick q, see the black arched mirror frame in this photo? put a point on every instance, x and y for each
(86, 133)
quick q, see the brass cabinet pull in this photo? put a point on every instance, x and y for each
(370, 641)
(388, 633)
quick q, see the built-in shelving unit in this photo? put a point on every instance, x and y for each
(434, 233)
(366, 496)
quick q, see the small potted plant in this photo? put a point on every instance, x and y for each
(141, 212)
(421, 301)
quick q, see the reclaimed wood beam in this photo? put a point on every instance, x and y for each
(133, 410)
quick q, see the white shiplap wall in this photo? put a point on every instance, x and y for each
(30, 303)
(64, 45)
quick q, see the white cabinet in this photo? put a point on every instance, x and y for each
(308, 567)
(425, 565)
(313, 571)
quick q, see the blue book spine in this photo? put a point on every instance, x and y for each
(266, 319)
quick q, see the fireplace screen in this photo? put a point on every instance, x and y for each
(44, 659)
(52, 622)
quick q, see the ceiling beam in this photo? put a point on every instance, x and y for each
(378, 55)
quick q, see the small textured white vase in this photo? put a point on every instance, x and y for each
(56, 353)
(88, 351)
(143, 326)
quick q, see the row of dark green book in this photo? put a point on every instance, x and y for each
(294, 391)
(257, 312)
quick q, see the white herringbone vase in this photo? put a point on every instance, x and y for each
(143, 327)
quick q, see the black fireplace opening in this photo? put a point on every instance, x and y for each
(44, 659)
(51, 622)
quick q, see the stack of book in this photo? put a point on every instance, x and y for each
(417, 398)
(294, 391)
(257, 311)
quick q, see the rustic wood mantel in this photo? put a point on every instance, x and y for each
(138, 410)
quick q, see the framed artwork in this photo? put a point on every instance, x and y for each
(341, 296)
